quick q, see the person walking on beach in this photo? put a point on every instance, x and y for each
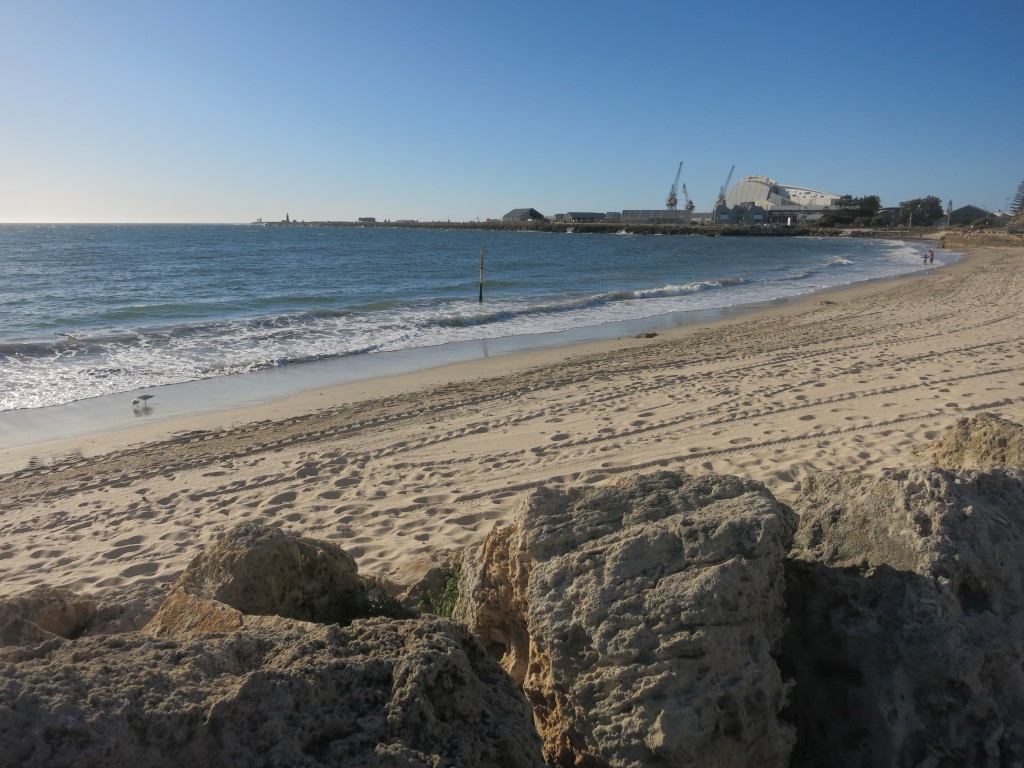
(931, 256)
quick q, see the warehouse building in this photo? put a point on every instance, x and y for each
(523, 214)
(657, 216)
(759, 200)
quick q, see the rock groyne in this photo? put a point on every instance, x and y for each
(658, 619)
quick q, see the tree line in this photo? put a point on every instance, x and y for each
(867, 211)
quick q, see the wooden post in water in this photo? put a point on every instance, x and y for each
(481, 276)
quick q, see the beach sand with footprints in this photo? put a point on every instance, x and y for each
(854, 380)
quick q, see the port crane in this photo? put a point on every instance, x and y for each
(673, 200)
(725, 188)
(688, 203)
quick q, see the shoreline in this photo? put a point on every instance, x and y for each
(90, 426)
(396, 468)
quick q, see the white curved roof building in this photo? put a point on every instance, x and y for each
(769, 194)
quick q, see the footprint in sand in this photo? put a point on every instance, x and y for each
(437, 498)
(140, 569)
(117, 552)
(284, 498)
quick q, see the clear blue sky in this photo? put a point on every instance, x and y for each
(227, 111)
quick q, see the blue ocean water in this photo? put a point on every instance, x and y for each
(90, 310)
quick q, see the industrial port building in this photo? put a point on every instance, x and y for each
(760, 200)
(752, 200)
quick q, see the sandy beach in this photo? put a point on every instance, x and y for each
(855, 380)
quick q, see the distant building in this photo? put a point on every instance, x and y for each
(971, 214)
(581, 217)
(890, 215)
(656, 216)
(768, 194)
(367, 219)
(523, 214)
(758, 200)
(741, 213)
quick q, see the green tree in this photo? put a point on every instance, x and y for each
(921, 211)
(1018, 200)
(851, 211)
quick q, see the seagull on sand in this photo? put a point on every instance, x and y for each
(142, 400)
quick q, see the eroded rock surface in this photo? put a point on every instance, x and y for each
(640, 619)
(378, 692)
(906, 602)
(44, 613)
(261, 570)
(126, 609)
(981, 442)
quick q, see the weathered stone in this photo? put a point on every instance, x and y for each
(278, 693)
(43, 613)
(126, 609)
(906, 602)
(416, 580)
(640, 619)
(981, 442)
(262, 570)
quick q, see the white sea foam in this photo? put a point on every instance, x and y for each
(174, 319)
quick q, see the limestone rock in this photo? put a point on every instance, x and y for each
(981, 442)
(416, 580)
(278, 693)
(44, 613)
(262, 570)
(640, 619)
(126, 609)
(906, 598)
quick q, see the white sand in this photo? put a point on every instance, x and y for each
(853, 380)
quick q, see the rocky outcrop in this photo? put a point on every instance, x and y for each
(645, 621)
(906, 603)
(378, 692)
(261, 570)
(420, 580)
(640, 619)
(44, 613)
(126, 609)
(982, 442)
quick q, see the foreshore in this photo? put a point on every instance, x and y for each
(390, 468)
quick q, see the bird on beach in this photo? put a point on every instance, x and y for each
(142, 400)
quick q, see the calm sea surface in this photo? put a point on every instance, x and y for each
(90, 310)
